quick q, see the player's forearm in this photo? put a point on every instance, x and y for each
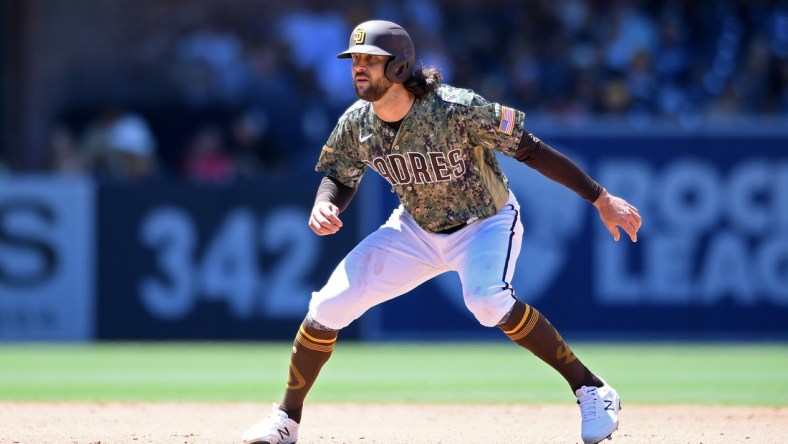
(557, 167)
(333, 191)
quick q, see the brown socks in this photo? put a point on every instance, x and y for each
(529, 329)
(525, 326)
(311, 349)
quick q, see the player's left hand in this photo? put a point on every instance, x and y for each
(617, 212)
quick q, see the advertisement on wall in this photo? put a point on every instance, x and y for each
(47, 261)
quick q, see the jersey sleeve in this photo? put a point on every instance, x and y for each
(494, 126)
(338, 159)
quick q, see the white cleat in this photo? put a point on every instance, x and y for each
(599, 408)
(276, 428)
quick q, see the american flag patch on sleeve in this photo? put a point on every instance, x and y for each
(507, 120)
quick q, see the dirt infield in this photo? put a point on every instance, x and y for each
(164, 423)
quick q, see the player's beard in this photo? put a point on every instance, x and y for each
(373, 90)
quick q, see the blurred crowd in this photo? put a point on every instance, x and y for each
(235, 94)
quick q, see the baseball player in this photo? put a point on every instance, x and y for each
(435, 145)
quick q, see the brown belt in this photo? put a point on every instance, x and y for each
(453, 229)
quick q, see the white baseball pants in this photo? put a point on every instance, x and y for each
(400, 255)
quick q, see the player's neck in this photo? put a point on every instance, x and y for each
(394, 105)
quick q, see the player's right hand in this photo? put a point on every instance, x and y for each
(324, 219)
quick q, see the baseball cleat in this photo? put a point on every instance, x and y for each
(599, 408)
(276, 428)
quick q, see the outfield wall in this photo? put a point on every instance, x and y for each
(170, 260)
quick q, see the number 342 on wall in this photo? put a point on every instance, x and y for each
(229, 269)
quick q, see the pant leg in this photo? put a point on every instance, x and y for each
(388, 263)
(485, 259)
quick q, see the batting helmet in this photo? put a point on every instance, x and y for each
(380, 37)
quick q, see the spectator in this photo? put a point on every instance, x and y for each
(120, 145)
(324, 25)
(65, 158)
(207, 159)
(212, 60)
(252, 151)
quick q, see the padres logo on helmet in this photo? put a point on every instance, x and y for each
(381, 37)
(358, 36)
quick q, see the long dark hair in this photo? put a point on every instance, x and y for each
(423, 81)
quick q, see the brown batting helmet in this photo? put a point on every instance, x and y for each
(380, 37)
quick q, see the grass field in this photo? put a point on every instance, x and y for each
(731, 374)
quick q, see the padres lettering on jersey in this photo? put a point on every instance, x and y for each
(419, 168)
(441, 162)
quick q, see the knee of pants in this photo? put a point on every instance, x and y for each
(489, 305)
(334, 313)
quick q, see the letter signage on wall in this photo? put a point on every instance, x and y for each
(46, 259)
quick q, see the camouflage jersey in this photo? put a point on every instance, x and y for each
(441, 162)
